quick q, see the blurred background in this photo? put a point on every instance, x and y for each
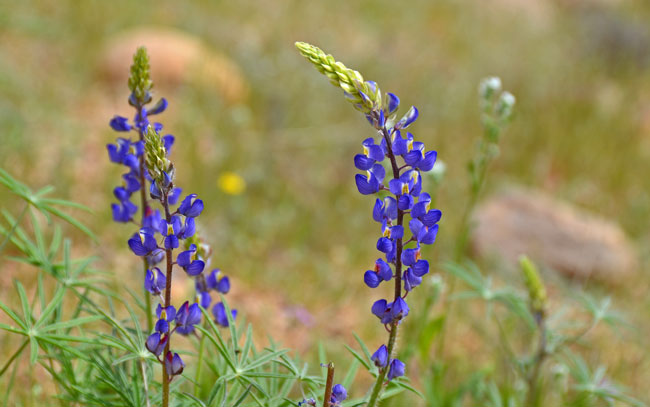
(268, 144)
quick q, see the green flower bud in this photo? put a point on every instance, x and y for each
(365, 96)
(155, 157)
(140, 82)
(534, 284)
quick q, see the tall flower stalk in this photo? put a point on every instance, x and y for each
(160, 233)
(401, 201)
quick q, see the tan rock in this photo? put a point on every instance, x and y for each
(176, 58)
(556, 234)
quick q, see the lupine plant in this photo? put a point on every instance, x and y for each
(87, 335)
(402, 201)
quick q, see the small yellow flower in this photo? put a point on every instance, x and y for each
(231, 183)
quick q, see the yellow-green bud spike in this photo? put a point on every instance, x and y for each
(140, 82)
(365, 96)
(156, 158)
(534, 284)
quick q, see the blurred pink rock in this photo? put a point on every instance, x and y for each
(176, 58)
(560, 236)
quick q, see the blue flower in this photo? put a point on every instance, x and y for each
(411, 280)
(188, 261)
(124, 211)
(165, 316)
(370, 183)
(372, 153)
(187, 317)
(396, 369)
(338, 394)
(385, 210)
(156, 343)
(214, 281)
(171, 231)
(382, 272)
(407, 119)
(143, 242)
(380, 357)
(422, 233)
(119, 123)
(204, 299)
(155, 281)
(191, 207)
(174, 364)
(220, 316)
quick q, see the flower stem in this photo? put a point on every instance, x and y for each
(168, 294)
(328, 385)
(376, 390)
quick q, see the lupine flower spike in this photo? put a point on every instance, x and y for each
(406, 205)
(152, 173)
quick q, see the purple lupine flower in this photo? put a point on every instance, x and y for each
(171, 231)
(382, 272)
(174, 364)
(155, 281)
(380, 357)
(396, 369)
(188, 261)
(124, 211)
(217, 282)
(220, 316)
(119, 123)
(204, 299)
(143, 242)
(156, 343)
(186, 317)
(191, 206)
(165, 316)
(338, 395)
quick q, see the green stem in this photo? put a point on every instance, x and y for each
(379, 384)
(145, 381)
(540, 356)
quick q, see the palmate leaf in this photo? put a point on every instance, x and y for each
(47, 206)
